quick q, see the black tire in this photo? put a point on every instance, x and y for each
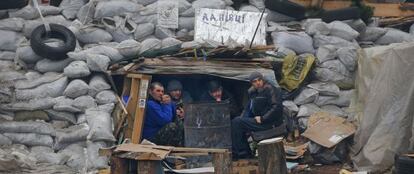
(340, 14)
(404, 164)
(39, 35)
(287, 8)
(12, 4)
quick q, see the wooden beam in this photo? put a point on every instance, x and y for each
(381, 9)
(118, 165)
(131, 106)
(140, 109)
(222, 163)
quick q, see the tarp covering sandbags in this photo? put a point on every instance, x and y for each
(386, 92)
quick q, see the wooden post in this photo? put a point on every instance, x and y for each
(119, 165)
(272, 156)
(222, 163)
(131, 106)
(140, 109)
(149, 167)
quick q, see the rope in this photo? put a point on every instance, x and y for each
(47, 26)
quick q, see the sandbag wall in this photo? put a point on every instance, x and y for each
(335, 46)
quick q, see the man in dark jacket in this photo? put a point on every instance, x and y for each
(262, 112)
(160, 115)
(216, 93)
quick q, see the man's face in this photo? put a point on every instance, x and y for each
(176, 94)
(217, 94)
(157, 92)
(258, 83)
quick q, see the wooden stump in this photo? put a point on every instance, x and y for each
(272, 156)
(119, 165)
(222, 163)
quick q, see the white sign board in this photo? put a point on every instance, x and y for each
(222, 25)
(167, 13)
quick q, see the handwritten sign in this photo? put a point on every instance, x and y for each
(167, 13)
(224, 25)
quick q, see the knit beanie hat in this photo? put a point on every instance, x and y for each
(255, 75)
(174, 85)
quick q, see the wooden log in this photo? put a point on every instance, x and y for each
(272, 156)
(150, 167)
(118, 165)
(222, 163)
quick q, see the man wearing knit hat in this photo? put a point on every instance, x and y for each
(262, 112)
(216, 93)
(178, 96)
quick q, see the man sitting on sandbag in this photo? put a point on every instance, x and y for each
(262, 112)
(160, 124)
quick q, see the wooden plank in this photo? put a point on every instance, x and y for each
(137, 76)
(381, 9)
(189, 154)
(150, 167)
(118, 165)
(222, 163)
(140, 109)
(131, 106)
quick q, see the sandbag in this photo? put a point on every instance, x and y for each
(76, 88)
(317, 27)
(6, 95)
(59, 124)
(90, 34)
(71, 135)
(308, 95)
(290, 108)
(38, 127)
(150, 44)
(342, 30)
(299, 42)
(47, 65)
(357, 24)
(31, 105)
(76, 69)
(77, 156)
(80, 118)
(26, 54)
(65, 105)
(394, 36)
(120, 28)
(112, 53)
(6, 65)
(343, 100)
(144, 30)
(327, 75)
(7, 55)
(30, 115)
(162, 33)
(96, 161)
(320, 40)
(40, 80)
(108, 108)
(9, 76)
(71, 8)
(53, 89)
(115, 8)
(372, 34)
(13, 24)
(307, 110)
(97, 84)
(45, 154)
(212, 4)
(26, 13)
(186, 23)
(190, 12)
(50, 10)
(257, 3)
(30, 139)
(100, 125)
(328, 89)
(97, 63)
(169, 42)
(326, 52)
(9, 40)
(4, 140)
(105, 97)
(145, 2)
(335, 110)
(84, 102)
(129, 48)
(62, 116)
(30, 25)
(337, 66)
(348, 56)
(86, 12)
(141, 19)
(191, 44)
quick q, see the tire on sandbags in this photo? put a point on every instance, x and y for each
(39, 35)
(340, 14)
(287, 8)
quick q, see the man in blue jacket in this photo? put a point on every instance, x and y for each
(160, 115)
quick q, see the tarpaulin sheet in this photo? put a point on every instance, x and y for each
(386, 94)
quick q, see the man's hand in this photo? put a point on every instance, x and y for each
(218, 99)
(180, 113)
(258, 119)
(166, 99)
